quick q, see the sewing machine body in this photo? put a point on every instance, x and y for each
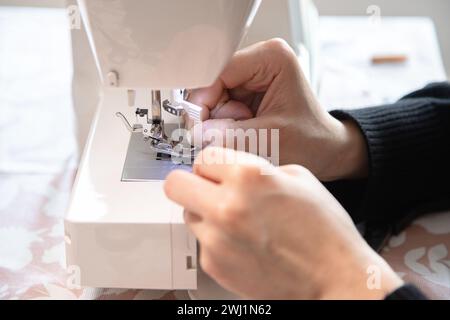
(121, 230)
(124, 234)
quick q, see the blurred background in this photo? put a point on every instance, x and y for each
(85, 87)
(437, 10)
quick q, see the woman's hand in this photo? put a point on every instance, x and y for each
(274, 233)
(263, 87)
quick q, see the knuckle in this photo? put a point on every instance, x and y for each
(231, 211)
(245, 173)
(279, 45)
(222, 209)
(227, 213)
(296, 170)
(276, 43)
(303, 171)
(207, 156)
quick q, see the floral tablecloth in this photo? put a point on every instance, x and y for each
(32, 259)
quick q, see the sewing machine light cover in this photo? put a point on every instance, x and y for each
(165, 44)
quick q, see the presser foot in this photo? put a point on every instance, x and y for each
(176, 150)
(153, 134)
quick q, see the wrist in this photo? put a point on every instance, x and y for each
(363, 277)
(349, 156)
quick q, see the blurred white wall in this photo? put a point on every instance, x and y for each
(438, 10)
(37, 119)
(34, 3)
(85, 87)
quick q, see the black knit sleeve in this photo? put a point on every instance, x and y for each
(408, 145)
(407, 292)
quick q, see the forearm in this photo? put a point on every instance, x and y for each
(407, 146)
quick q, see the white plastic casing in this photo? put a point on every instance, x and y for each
(124, 234)
(128, 234)
(165, 44)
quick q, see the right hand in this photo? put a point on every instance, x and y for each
(278, 236)
(263, 87)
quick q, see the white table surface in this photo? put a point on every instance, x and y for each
(347, 77)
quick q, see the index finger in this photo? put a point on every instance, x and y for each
(194, 193)
(217, 164)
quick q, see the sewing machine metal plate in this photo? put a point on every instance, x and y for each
(143, 163)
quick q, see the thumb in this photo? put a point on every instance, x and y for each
(231, 109)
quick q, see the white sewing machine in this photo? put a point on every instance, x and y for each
(121, 230)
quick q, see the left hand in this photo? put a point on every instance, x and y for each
(277, 236)
(263, 88)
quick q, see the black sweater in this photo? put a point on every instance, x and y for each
(408, 145)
